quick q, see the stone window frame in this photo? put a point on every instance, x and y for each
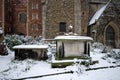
(35, 6)
(34, 16)
(110, 36)
(62, 27)
(22, 17)
(35, 27)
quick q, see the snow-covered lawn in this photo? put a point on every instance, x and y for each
(12, 69)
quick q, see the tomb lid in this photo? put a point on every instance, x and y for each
(72, 37)
(30, 47)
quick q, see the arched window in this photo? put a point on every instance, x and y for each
(110, 36)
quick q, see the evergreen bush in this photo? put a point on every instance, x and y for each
(12, 41)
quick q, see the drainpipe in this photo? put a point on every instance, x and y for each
(27, 31)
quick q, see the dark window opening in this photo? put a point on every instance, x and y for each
(23, 17)
(110, 37)
(62, 27)
(18, 1)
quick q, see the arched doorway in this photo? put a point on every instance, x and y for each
(110, 36)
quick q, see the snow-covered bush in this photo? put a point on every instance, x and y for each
(12, 41)
(88, 63)
(101, 47)
(114, 54)
(97, 45)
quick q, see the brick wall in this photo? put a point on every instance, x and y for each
(71, 12)
(1, 11)
(35, 17)
(17, 8)
(58, 11)
(26, 6)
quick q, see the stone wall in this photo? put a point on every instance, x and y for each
(58, 11)
(110, 17)
(74, 12)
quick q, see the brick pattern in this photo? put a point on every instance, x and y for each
(25, 6)
(17, 8)
(68, 11)
(45, 22)
(35, 7)
(58, 11)
(1, 11)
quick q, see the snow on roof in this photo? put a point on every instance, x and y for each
(71, 37)
(30, 47)
(98, 14)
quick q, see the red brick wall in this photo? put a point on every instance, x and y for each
(18, 8)
(38, 11)
(26, 7)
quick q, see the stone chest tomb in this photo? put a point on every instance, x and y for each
(72, 45)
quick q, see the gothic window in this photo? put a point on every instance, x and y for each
(35, 16)
(23, 17)
(110, 36)
(62, 27)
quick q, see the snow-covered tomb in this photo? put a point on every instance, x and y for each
(72, 46)
(38, 52)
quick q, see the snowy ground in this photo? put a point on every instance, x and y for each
(12, 69)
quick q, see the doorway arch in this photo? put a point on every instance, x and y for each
(110, 36)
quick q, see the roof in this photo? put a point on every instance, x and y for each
(72, 37)
(98, 14)
(30, 47)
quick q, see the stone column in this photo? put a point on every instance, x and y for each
(77, 16)
(43, 18)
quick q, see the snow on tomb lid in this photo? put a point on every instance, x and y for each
(30, 47)
(73, 37)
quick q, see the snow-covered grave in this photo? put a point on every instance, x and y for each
(31, 51)
(72, 45)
